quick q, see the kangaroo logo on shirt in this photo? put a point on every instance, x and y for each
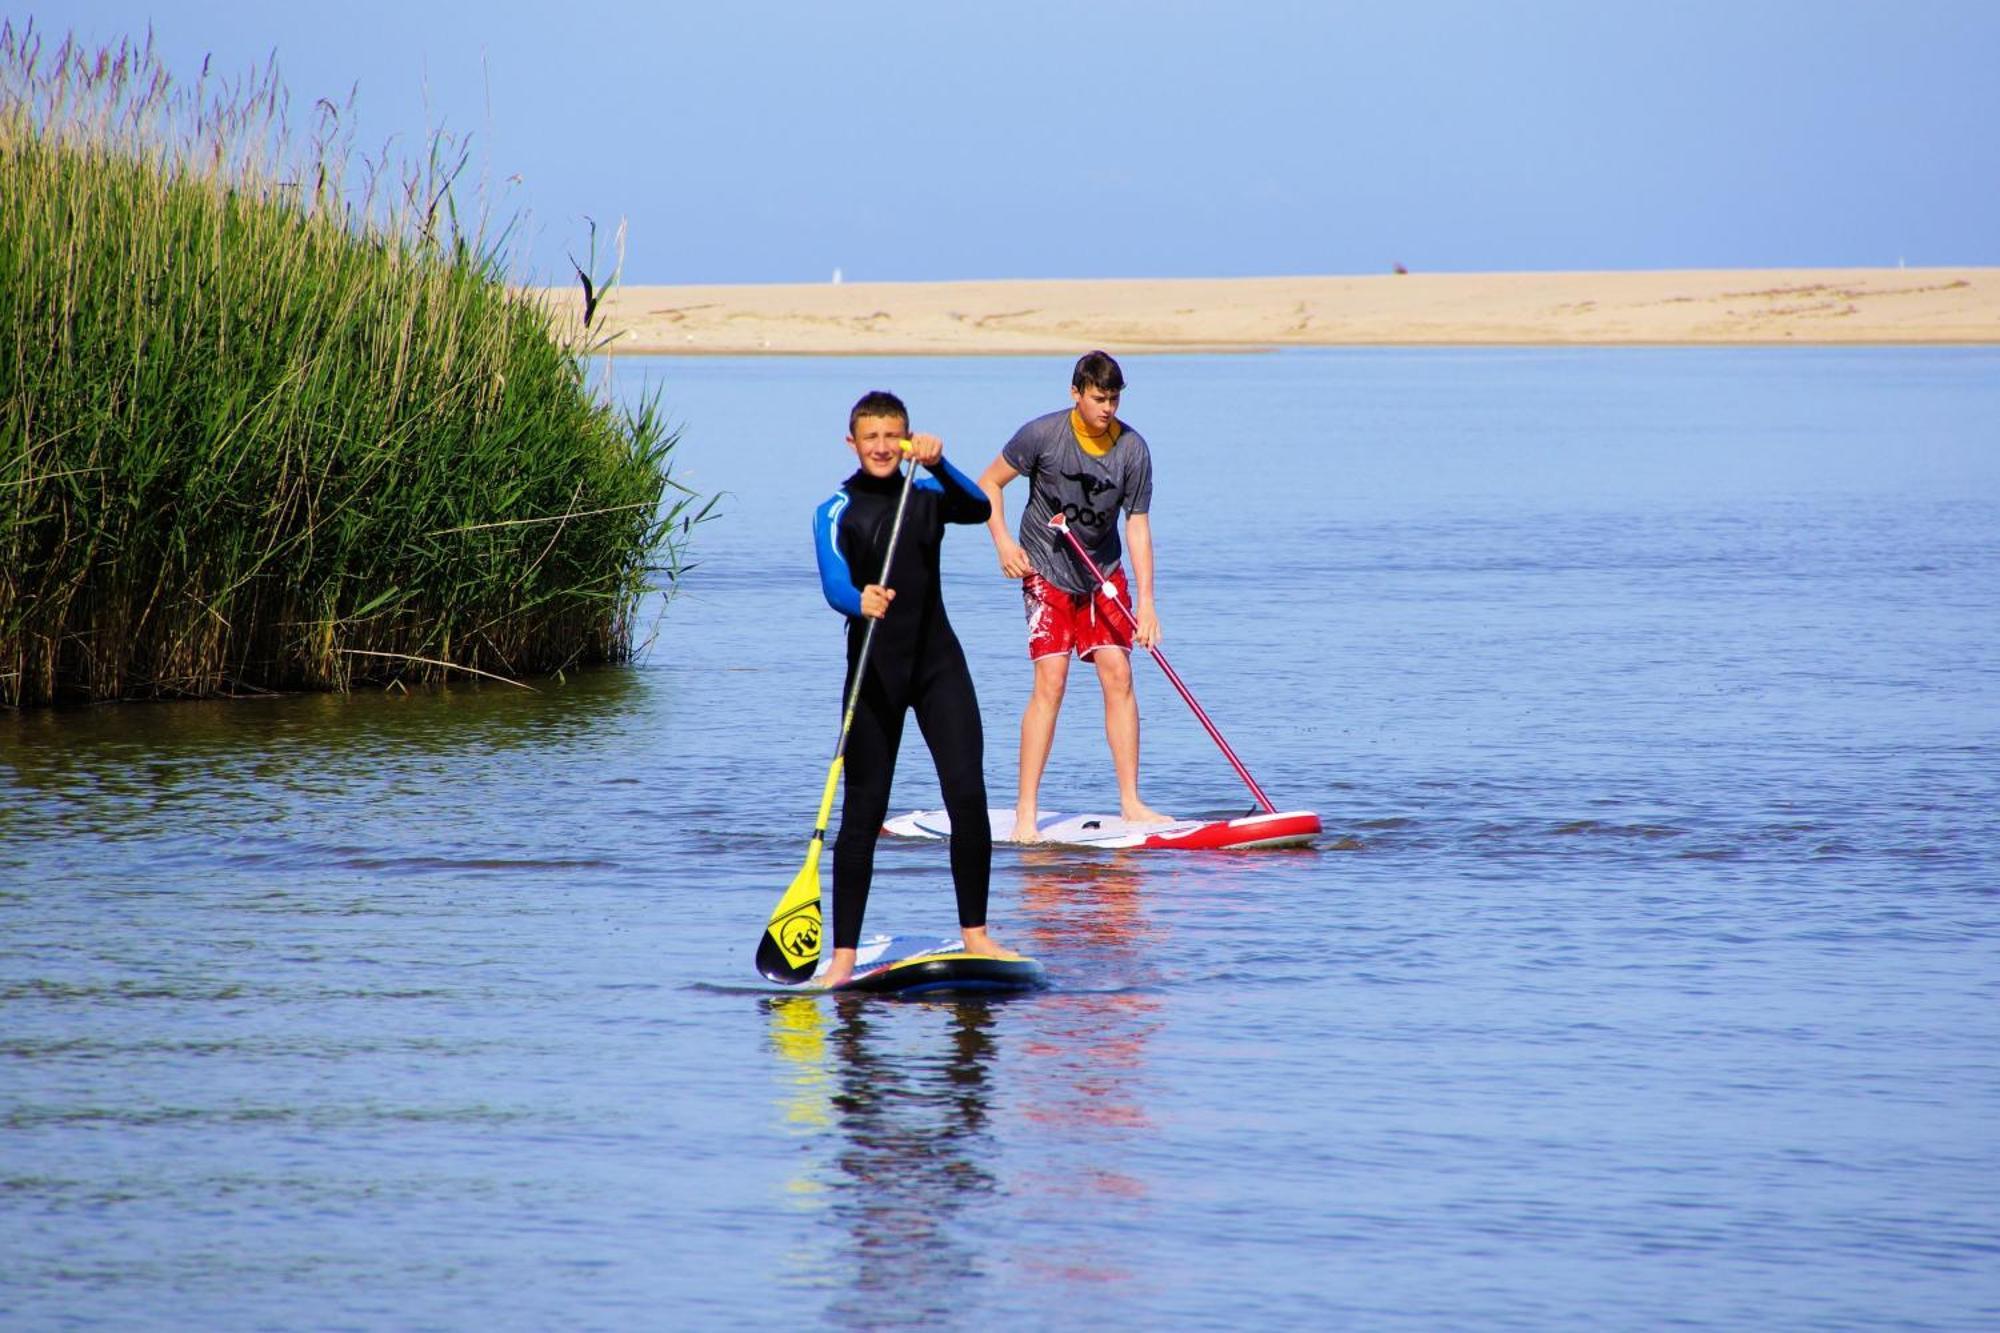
(1092, 488)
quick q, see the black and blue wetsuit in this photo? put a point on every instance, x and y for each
(914, 663)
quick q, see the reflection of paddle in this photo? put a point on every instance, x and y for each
(789, 949)
(1110, 591)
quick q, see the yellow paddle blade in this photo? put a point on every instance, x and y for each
(789, 950)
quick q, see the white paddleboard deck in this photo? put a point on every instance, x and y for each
(1287, 828)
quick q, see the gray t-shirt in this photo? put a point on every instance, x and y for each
(1088, 491)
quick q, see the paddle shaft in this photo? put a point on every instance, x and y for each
(867, 642)
(1105, 586)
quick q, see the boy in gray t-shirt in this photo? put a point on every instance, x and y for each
(1087, 465)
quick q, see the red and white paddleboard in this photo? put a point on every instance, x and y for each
(1284, 828)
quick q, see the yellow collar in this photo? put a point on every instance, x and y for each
(1095, 445)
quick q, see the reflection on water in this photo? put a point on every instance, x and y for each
(1087, 1071)
(157, 748)
(1095, 904)
(372, 782)
(895, 1103)
(904, 1087)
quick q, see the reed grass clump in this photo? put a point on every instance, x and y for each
(265, 427)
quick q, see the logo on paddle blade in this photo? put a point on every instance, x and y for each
(798, 935)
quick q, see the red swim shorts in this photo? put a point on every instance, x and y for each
(1060, 621)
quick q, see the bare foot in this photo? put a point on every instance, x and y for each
(976, 940)
(838, 972)
(1025, 829)
(1143, 814)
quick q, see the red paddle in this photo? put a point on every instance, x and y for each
(1110, 591)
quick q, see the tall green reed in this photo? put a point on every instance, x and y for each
(262, 427)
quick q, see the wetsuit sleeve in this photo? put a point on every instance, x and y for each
(964, 502)
(835, 579)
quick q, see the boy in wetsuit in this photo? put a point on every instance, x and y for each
(1086, 464)
(914, 663)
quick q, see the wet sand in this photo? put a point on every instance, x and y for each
(1742, 306)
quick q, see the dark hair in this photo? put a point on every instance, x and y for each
(1096, 370)
(878, 403)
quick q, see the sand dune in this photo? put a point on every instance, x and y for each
(1767, 306)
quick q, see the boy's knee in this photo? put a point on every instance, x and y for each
(965, 793)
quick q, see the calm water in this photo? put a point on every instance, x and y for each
(1648, 974)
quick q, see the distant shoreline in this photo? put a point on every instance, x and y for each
(1755, 307)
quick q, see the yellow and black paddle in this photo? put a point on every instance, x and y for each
(789, 950)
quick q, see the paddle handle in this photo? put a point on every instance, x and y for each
(1110, 591)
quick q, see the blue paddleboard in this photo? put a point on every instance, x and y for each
(925, 965)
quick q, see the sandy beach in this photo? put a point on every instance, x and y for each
(1743, 306)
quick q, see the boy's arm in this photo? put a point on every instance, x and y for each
(834, 578)
(964, 501)
(1013, 560)
(1139, 543)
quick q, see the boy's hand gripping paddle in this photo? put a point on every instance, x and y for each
(788, 952)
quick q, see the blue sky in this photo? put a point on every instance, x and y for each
(773, 141)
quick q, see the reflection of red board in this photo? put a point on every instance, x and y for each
(907, 965)
(1283, 828)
